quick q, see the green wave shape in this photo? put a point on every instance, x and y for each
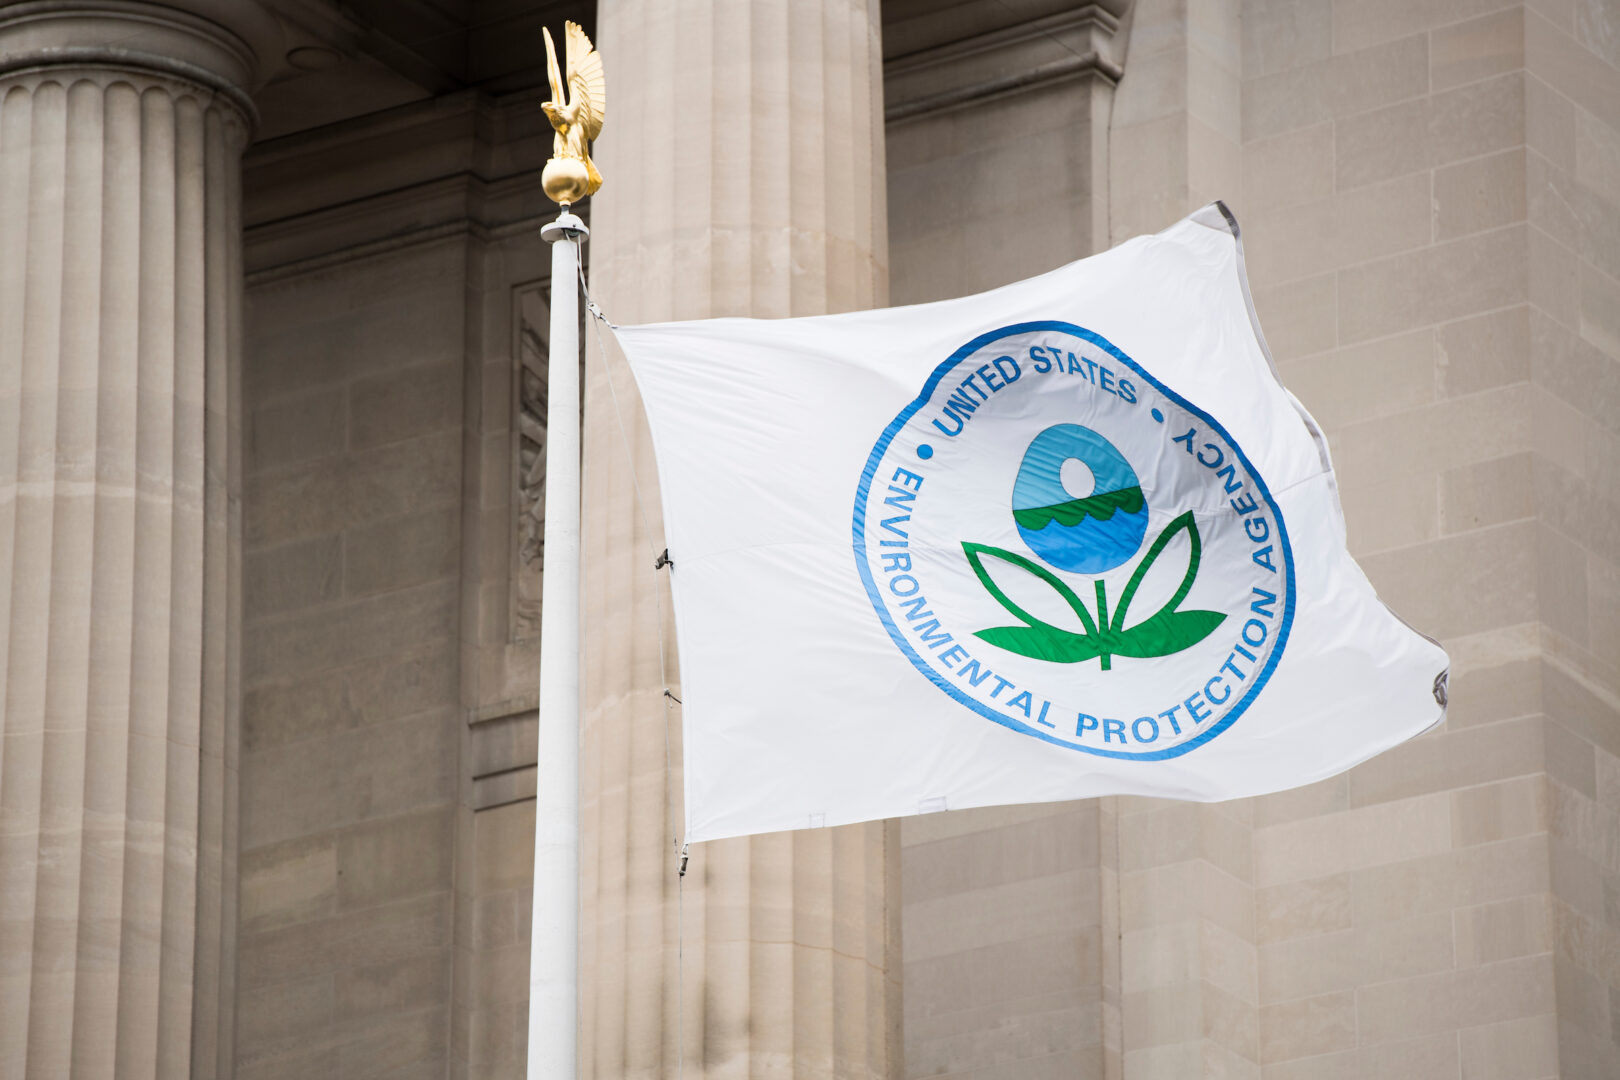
(1101, 506)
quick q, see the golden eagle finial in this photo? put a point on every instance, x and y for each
(570, 175)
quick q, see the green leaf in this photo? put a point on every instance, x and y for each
(1166, 632)
(975, 557)
(1184, 522)
(1041, 643)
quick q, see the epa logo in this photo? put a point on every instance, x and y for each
(1067, 547)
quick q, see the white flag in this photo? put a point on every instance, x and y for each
(1066, 538)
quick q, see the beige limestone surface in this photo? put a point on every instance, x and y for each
(119, 382)
(744, 167)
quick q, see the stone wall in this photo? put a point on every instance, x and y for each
(388, 733)
(1432, 244)
(1430, 197)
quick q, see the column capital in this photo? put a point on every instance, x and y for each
(214, 44)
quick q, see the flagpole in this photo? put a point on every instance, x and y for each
(554, 937)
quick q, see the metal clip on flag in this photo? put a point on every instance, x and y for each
(1066, 538)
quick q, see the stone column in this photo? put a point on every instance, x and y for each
(121, 128)
(743, 158)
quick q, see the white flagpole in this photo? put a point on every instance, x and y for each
(554, 937)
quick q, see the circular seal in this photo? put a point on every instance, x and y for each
(1067, 547)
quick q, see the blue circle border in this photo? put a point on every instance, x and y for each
(863, 490)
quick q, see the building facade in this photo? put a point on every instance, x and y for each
(272, 450)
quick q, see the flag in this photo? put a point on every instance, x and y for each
(1066, 538)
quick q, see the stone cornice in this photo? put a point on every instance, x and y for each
(1054, 48)
(134, 36)
(451, 166)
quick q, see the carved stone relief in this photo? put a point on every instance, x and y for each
(533, 327)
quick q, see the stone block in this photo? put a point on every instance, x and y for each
(283, 1019)
(1181, 891)
(1364, 382)
(402, 765)
(401, 552)
(1281, 34)
(1494, 679)
(1431, 1058)
(392, 859)
(1506, 990)
(404, 404)
(1571, 760)
(1506, 930)
(296, 881)
(1523, 1049)
(1435, 284)
(1357, 838)
(1322, 797)
(1159, 956)
(310, 1063)
(1502, 557)
(1446, 435)
(1572, 69)
(1301, 317)
(1381, 144)
(301, 574)
(1479, 48)
(1308, 1027)
(1392, 512)
(1343, 1065)
(1288, 169)
(1549, 123)
(295, 429)
(292, 504)
(1034, 848)
(951, 923)
(287, 953)
(395, 1044)
(1161, 1016)
(1229, 1023)
(364, 995)
(403, 478)
(361, 630)
(1314, 907)
(1308, 966)
(1346, 85)
(1342, 230)
(1597, 156)
(293, 790)
(1600, 324)
(1487, 493)
(1603, 577)
(1484, 351)
(395, 931)
(1229, 963)
(1597, 27)
(1499, 811)
(1406, 1008)
(1479, 194)
(1561, 591)
(1442, 760)
(1477, 875)
(504, 848)
(1361, 23)
(1166, 835)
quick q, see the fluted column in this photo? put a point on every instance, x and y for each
(743, 158)
(121, 130)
